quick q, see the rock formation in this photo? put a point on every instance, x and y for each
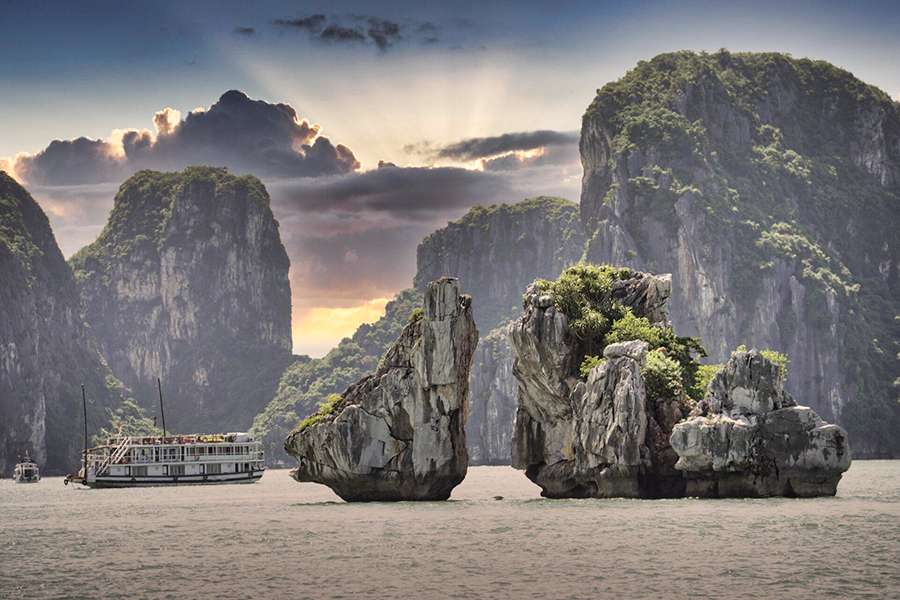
(748, 438)
(599, 436)
(399, 434)
(46, 352)
(496, 251)
(189, 282)
(770, 188)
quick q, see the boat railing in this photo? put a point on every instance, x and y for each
(114, 456)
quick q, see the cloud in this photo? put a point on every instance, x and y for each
(312, 23)
(561, 156)
(361, 29)
(386, 196)
(336, 33)
(244, 135)
(487, 147)
(241, 30)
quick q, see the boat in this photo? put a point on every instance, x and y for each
(195, 459)
(26, 471)
(133, 461)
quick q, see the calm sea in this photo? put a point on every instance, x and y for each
(282, 539)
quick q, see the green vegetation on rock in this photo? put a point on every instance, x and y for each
(662, 376)
(583, 292)
(326, 409)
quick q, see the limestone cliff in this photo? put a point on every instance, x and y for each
(399, 434)
(770, 188)
(46, 352)
(496, 251)
(747, 437)
(189, 282)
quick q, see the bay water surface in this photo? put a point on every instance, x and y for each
(281, 539)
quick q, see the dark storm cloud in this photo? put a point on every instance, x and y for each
(312, 23)
(387, 195)
(487, 147)
(361, 29)
(242, 134)
(337, 33)
(244, 30)
(384, 33)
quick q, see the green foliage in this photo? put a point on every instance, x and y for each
(588, 364)
(683, 350)
(128, 419)
(326, 409)
(630, 327)
(583, 293)
(702, 377)
(416, 315)
(662, 376)
(781, 361)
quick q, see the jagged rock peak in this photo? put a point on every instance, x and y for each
(399, 434)
(748, 438)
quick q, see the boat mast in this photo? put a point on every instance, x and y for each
(162, 412)
(84, 407)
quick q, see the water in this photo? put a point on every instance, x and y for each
(278, 538)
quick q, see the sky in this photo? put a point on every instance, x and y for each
(370, 124)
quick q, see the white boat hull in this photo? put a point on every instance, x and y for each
(118, 481)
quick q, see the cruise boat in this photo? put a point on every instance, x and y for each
(196, 459)
(26, 471)
(173, 460)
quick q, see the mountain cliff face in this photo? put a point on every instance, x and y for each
(189, 282)
(496, 251)
(770, 188)
(46, 352)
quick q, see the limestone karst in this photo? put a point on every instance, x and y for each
(46, 352)
(769, 187)
(747, 437)
(399, 433)
(189, 282)
(606, 389)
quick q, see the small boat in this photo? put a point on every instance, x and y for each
(138, 461)
(26, 471)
